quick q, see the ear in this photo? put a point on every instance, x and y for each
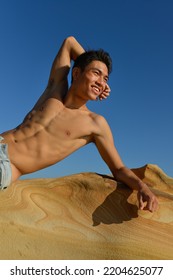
(75, 73)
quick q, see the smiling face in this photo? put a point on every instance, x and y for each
(91, 82)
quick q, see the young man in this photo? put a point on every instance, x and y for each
(61, 123)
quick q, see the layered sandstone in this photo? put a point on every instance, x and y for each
(86, 216)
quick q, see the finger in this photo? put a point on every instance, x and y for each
(107, 91)
(153, 204)
(141, 203)
(107, 88)
(103, 96)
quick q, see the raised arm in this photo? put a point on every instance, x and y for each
(105, 144)
(69, 51)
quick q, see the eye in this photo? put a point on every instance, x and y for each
(106, 79)
(96, 72)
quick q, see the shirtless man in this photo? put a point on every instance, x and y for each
(60, 123)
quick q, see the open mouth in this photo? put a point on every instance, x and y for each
(96, 90)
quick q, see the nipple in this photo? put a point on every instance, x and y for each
(67, 132)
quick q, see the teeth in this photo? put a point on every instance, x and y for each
(96, 89)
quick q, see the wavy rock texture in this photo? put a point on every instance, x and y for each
(86, 216)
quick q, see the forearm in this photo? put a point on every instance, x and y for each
(69, 51)
(105, 144)
(74, 48)
(128, 177)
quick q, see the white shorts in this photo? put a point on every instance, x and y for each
(5, 166)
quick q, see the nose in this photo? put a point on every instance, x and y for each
(101, 82)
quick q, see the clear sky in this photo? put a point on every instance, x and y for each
(138, 34)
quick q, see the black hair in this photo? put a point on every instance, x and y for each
(87, 57)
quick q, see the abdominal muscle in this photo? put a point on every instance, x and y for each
(43, 140)
(38, 152)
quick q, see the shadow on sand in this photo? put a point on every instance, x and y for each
(115, 209)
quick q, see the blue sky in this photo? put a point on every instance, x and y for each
(139, 37)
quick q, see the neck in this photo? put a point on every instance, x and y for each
(73, 101)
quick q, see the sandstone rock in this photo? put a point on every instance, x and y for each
(86, 216)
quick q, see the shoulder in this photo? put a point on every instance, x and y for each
(99, 120)
(100, 124)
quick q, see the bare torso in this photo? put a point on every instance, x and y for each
(48, 134)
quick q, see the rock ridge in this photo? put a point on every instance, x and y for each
(86, 216)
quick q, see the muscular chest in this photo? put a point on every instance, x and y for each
(67, 124)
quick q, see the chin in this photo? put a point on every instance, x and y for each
(94, 97)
